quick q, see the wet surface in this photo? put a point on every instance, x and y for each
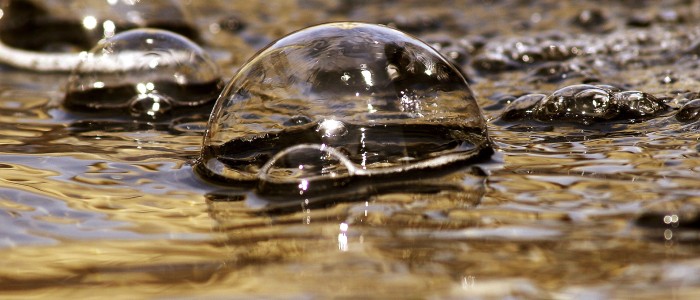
(571, 205)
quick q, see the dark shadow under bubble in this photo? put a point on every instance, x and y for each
(285, 198)
(179, 120)
(326, 191)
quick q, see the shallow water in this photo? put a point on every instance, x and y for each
(94, 206)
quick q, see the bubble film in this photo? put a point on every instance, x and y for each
(145, 73)
(382, 98)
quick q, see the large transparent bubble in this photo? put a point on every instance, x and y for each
(145, 73)
(384, 100)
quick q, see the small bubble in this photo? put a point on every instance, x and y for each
(636, 104)
(297, 121)
(690, 112)
(231, 24)
(592, 20)
(667, 77)
(555, 72)
(382, 98)
(144, 72)
(522, 107)
(416, 21)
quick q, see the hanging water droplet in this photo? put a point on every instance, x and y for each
(381, 97)
(143, 72)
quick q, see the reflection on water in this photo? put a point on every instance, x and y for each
(95, 204)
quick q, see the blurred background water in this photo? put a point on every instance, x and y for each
(94, 205)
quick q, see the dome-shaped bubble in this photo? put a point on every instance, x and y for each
(690, 112)
(381, 97)
(145, 73)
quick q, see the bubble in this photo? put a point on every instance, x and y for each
(383, 99)
(636, 104)
(593, 20)
(522, 107)
(27, 25)
(690, 112)
(577, 103)
(129, 14)
(556, 72)
(66, 26)
(585, 104)
(143, 72)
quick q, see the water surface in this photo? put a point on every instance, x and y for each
(94, 206)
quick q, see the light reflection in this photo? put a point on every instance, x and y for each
(214, 28)
(307, 211)
(303, 185)
(108, 28)
(331, 128)
(468, 282)
(343, 237)
(668, 234)
(366, 74)
(671, 219)
(89, 22)
(145, 88)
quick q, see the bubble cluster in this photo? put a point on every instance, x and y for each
(384, 101)
(145, 73)
(585, 104)
(513, 54)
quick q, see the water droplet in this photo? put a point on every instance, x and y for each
(145, 73)
(690, 112)
(381, 97)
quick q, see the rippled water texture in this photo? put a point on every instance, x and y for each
(583, 199)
